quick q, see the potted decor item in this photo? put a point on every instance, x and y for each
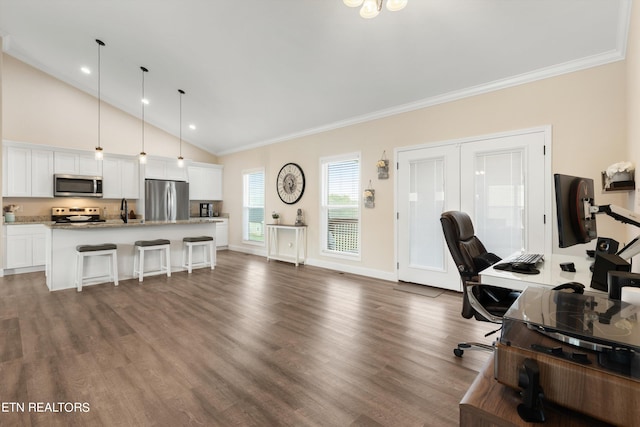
(276, 217)
(10, 213)
(369, 197)
(383, 166)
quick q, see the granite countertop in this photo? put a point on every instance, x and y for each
(131, 223)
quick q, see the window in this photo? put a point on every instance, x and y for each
(340, 214)
(253, 206)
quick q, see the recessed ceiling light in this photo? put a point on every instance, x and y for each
(145, 101)
(85, 70)
(192, 126)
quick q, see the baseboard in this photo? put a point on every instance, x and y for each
(368, 272)
(258, 250)
(12, 271)
(360, 271)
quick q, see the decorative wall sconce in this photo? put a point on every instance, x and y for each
(383, 166)
(369, 197)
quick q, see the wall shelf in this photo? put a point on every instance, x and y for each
(617, 186)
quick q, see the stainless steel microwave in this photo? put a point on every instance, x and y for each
(77, 186)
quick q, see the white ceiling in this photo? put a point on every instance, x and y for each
(261, 71)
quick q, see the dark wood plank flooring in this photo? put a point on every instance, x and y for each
(252, 343)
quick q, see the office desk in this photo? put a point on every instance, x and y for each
(550, 274)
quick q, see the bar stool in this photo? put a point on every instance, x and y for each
(142, 246)
(105, 249)
(207, 242)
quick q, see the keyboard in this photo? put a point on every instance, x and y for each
(532, 259)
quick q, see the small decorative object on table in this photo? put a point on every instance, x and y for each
(383, 166)
(370, 197)
(276, 217)
(299, 218)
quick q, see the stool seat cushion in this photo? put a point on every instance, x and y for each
(94, 248)
(198, 239)
(156, 242)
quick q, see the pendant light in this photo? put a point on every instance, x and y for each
(180, 158)
(143, 156)
(99, 153)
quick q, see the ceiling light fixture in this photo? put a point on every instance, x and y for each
(371, 8)
(192, 126)
(180, 158)
(99, 152)
(143, 156)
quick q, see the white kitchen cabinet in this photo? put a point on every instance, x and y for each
(25, 245)
(27, 172)
(205, 182)
(120, 178)
(164, 169)
(222, 233)
(71, 163)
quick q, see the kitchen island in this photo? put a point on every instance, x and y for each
(62, 239)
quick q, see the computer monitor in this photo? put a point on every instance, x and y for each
(574, 199)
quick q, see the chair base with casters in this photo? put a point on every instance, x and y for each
(141, 247)
(207, 243)
(85, 251)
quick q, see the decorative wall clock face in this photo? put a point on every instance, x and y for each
(290, 183)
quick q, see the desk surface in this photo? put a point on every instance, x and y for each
(551, 274)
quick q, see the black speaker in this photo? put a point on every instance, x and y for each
(604, 264)
(619, 279)
(606, 245)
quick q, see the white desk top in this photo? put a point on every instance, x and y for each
(550, 274)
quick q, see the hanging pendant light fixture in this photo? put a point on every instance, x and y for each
(99, 152)
(143, 156)
(371, 8)
(180, 158)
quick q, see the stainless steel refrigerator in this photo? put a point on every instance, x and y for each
(166, 200)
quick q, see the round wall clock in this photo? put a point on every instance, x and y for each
(290, 183)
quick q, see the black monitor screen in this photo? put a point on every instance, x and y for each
(574, 197)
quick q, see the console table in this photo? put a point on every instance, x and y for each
(298, 245)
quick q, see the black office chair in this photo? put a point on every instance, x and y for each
(485, 303)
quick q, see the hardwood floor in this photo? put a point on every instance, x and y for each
(252, 343)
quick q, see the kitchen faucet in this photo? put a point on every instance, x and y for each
(124, 210)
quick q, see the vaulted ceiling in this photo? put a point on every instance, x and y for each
(262, 71)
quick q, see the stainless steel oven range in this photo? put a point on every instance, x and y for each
(75, 215)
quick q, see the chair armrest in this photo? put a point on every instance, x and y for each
(479, 308)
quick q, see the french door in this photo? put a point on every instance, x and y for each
(429, 182)
(500, 181)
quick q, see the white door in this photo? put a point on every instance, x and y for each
(428, 180)
(503, 191)
(501, 181)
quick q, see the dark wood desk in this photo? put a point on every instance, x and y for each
(488, 403)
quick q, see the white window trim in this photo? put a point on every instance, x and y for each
(323, 217)
(244, 240)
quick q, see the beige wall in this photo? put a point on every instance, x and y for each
(589, 112)
(41, 109)
(633, 112)
(44, 110)
(586, 109)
